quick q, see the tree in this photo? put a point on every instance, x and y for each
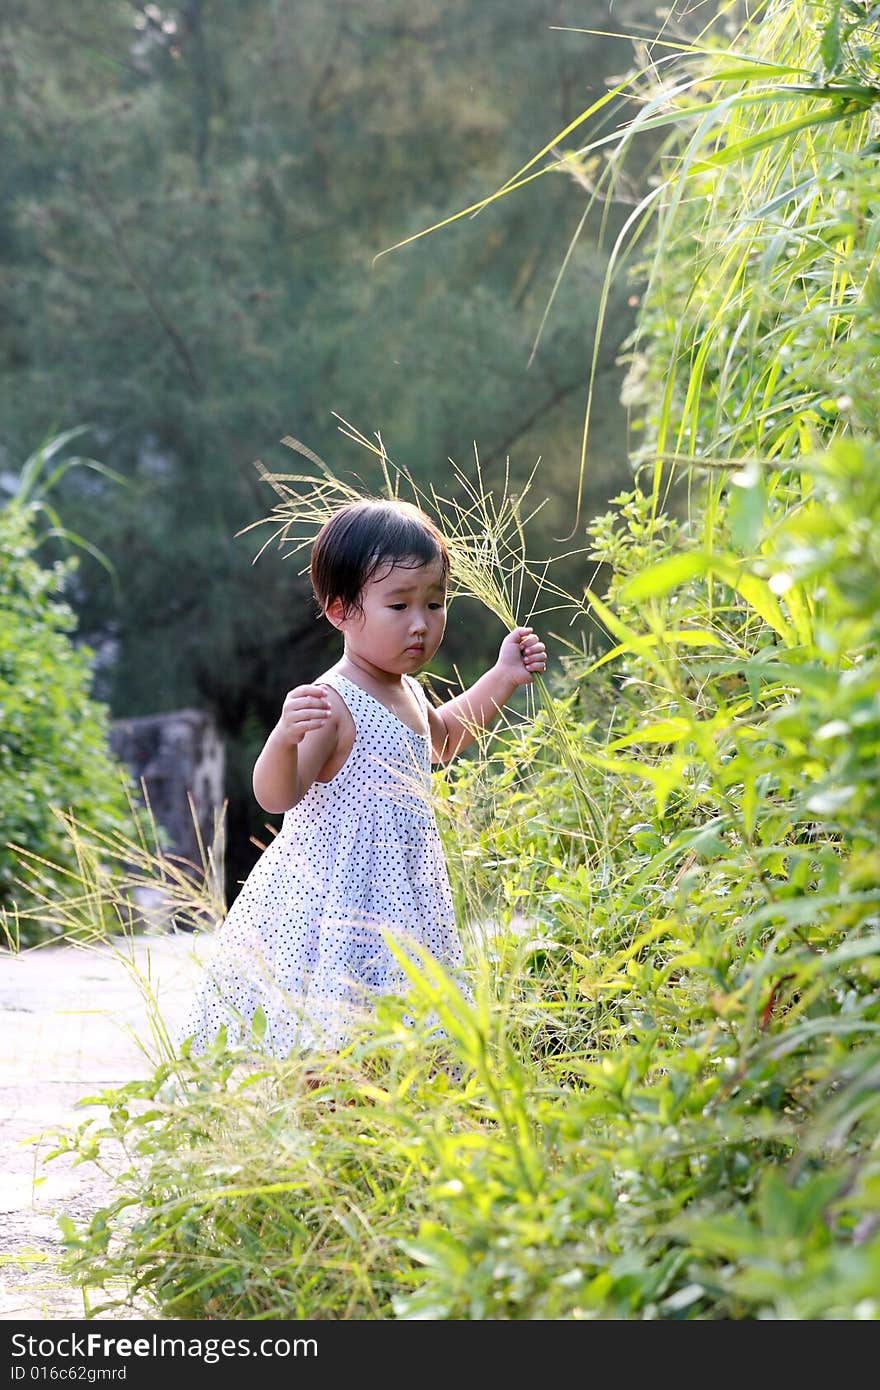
(194, 200)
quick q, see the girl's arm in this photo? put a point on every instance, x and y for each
(302, 741)
(455, 724)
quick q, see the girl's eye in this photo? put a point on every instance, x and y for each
(398, 607)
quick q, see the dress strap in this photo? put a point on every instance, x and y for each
(420, 693)
(352, 696)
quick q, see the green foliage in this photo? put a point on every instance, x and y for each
(54, 752)
(192, 205)
(40, 475)
(759, 325)
(662, 1103)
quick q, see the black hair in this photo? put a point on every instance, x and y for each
(362, 537)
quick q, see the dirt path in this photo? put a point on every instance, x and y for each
(72, 1022)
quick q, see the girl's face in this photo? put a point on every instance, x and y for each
(402, 621)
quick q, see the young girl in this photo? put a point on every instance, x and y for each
(349, 765)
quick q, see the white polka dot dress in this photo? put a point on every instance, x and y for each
(358, 854)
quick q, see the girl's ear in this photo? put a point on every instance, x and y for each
(335, 612)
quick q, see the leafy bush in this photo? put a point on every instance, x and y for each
(54, 753)
(662, 1103)
(664, 1098)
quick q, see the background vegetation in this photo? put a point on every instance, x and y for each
(663, 1103)
(192, 203)
(54, 736)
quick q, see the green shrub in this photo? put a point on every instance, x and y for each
(54, 752)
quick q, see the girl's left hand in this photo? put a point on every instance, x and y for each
(522, 656)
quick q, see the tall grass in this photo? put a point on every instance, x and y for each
(662, 1102)
(116, 884)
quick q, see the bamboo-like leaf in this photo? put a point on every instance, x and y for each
(830, 47)
(665, 575)
(774, 135)
(760, 596)
(681, 637)
(660, 731)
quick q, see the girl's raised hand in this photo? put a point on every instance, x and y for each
(522, 656)
(306, 707)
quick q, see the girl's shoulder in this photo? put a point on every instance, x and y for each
(336, 682)
(338, 687)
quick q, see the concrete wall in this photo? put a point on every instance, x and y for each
(176, 756)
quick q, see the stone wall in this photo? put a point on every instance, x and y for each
(177, 756)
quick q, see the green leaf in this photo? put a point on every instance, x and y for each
(829, 47)
(667, 574)
(747, 506)
(742, 150)
(438, 1249)
(661, 731)
(830, 800)
(758, 594)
